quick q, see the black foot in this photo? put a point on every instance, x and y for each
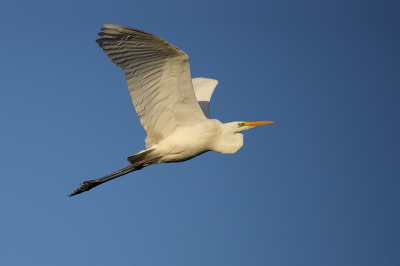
(86, 186)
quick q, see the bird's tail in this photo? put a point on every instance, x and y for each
(141, 156)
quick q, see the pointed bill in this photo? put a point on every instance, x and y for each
(258, 123)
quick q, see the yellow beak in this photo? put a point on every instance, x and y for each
(259, 123)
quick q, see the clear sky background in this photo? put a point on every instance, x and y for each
(319, 187)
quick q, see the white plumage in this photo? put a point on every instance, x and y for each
(173, 108)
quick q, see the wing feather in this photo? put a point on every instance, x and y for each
(158, 77)
(204, 88)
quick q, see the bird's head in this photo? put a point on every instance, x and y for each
(232, 140)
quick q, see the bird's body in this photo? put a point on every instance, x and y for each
(188, 142)
(173, 108)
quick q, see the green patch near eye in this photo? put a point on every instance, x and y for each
(241, 124)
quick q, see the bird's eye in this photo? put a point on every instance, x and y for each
(241, 124)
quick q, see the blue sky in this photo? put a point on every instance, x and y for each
(319, 187)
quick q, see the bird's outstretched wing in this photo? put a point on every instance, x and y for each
(204, 88)
(158, 77)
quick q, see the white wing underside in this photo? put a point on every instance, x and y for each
(158, 77)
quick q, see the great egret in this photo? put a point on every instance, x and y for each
(173, 108)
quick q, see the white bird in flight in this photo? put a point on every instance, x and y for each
(173, 108)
